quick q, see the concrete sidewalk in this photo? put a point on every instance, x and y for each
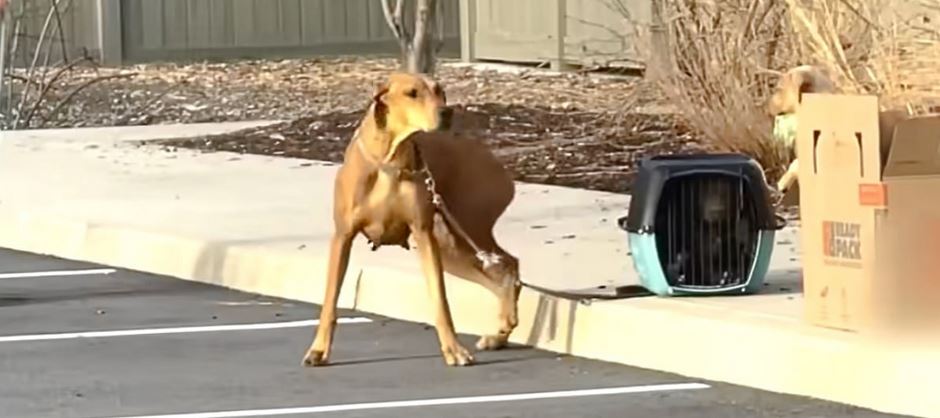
(262, 224)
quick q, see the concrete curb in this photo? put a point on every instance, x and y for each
(671, 335)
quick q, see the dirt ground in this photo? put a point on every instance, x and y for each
(590, 150)
(580, 130)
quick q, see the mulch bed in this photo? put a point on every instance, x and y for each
(591, 150)
(150, 94)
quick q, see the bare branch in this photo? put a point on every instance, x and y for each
(58, 19)
(395, 19)
(390, 19)
(439, 26)
(20, 78)
(61, 38)
(11, 56)
(42, 36)
(46, 87)
(78, 89)
(32, 67)
(4, 25)
(400, 19)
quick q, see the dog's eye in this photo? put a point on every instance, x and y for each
(413, 93)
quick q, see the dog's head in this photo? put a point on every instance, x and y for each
(788, 93)
(408, 103)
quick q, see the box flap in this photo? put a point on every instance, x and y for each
(887, 120)
(915, 149)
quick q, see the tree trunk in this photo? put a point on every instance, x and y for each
(421, 54)
(659, 62)
(418, 48)
(4, 38)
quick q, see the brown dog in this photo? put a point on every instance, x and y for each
(382, 191)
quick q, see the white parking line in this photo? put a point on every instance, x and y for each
(179, 330)
(438, 402)
(56, 273)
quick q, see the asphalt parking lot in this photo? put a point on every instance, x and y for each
(81, 340)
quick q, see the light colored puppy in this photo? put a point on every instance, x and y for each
(787, 97)
(783, 104)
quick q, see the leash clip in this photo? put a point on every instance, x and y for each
(436, 198)
(489, 259)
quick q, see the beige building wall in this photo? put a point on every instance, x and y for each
(556, 32)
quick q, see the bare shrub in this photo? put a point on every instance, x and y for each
(35, 60)
(894, 49)
(727, 56)
(723, 54)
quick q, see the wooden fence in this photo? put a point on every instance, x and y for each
(560, 32)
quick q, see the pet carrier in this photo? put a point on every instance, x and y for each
(701, 224)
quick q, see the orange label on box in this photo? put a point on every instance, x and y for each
(873, 194)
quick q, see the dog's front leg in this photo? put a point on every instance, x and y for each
(454, 353)
(789, 177)
(340, 247)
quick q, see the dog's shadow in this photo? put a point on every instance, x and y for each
(520, 353)
(390, 359)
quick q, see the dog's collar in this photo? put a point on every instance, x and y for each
(383, 166)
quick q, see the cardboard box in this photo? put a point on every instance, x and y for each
(869, 202)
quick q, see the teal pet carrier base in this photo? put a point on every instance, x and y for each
(701, 224)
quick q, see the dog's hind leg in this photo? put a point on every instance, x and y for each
(340, 247)
(506, 275)
(502, 280)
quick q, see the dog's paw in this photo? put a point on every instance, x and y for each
(491, 342)
(315, 358)
(456, 355)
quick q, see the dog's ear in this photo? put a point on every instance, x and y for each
(816, 80)
(378, 95)
(379, 107)
(806, 85)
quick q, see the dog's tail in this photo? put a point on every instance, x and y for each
(795, 82)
